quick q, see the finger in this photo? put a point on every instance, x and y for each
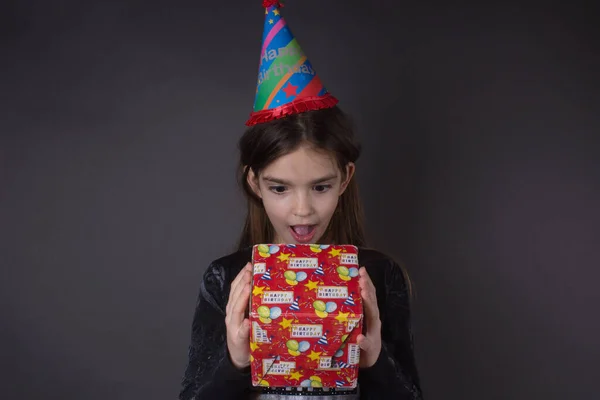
(369, 297)
(245, 278)
(237, 292)
(363, 342)
(372, 322)
(233, 286)
(365, 283)
(233, 292)
(240, 276)
(239, 306)
(365, 279)
(244, 332)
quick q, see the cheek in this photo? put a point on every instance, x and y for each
(275, 208)
(327, 205)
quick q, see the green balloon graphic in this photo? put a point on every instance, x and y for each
(291, 275)
(319, 305)
(343, 270)
(292, 345)
(264, 311)
(263, 248)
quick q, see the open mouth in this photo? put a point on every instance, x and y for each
(303, 233)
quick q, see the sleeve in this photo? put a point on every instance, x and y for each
(394, 375)
(209, 373)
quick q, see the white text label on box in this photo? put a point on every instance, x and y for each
(349, 259)
(271, 367)
(260, 268)
(277, 297)
(259, 335)
(352, 323)
(303, 263)
(332, 292)
(353, 354)
(307, 331)
(325, 362)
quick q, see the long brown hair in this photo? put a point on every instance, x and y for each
(328, 129)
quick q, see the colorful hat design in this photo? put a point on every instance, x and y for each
(267, 275)
(295, 305)
(349, 301)
(287, 83)
(319, 270)
(323, 339)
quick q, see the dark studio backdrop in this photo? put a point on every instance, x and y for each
(119, 122)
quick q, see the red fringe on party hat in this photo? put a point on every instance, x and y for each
(269, 3)
(295, 107)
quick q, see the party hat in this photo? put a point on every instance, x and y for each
(287, 82)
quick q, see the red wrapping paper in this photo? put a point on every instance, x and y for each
(306, 314)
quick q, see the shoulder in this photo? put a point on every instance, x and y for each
(229, 265)
(217, 278)
(232, 260)
(374, 258)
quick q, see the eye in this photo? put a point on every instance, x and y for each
(277, 189)
(322, 188)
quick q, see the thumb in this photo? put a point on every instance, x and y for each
(244, 332)
(363, 342)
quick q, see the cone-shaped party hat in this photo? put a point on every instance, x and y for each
(287, 82)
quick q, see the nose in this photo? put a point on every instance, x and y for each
(303, 206)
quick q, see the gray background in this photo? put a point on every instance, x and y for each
(118, 126)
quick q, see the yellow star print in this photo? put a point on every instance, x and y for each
(276, 12)
(271, 21)
(295, 375)
(283, 257)
(342, 317)
(286, 323)
(253, 346)
(334, 252)
(314, 356)
(312, 285)
(257, 290)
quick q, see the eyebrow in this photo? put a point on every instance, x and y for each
(288, 183)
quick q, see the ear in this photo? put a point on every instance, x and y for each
(350, 168)
(252, 180)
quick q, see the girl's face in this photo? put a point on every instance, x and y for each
(300, 192)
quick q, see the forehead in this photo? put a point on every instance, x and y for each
(303, 165)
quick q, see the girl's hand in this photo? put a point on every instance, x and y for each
(238, 327)
(370, 344)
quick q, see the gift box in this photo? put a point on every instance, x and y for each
(306, 314)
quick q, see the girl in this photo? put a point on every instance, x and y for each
(297, 166)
